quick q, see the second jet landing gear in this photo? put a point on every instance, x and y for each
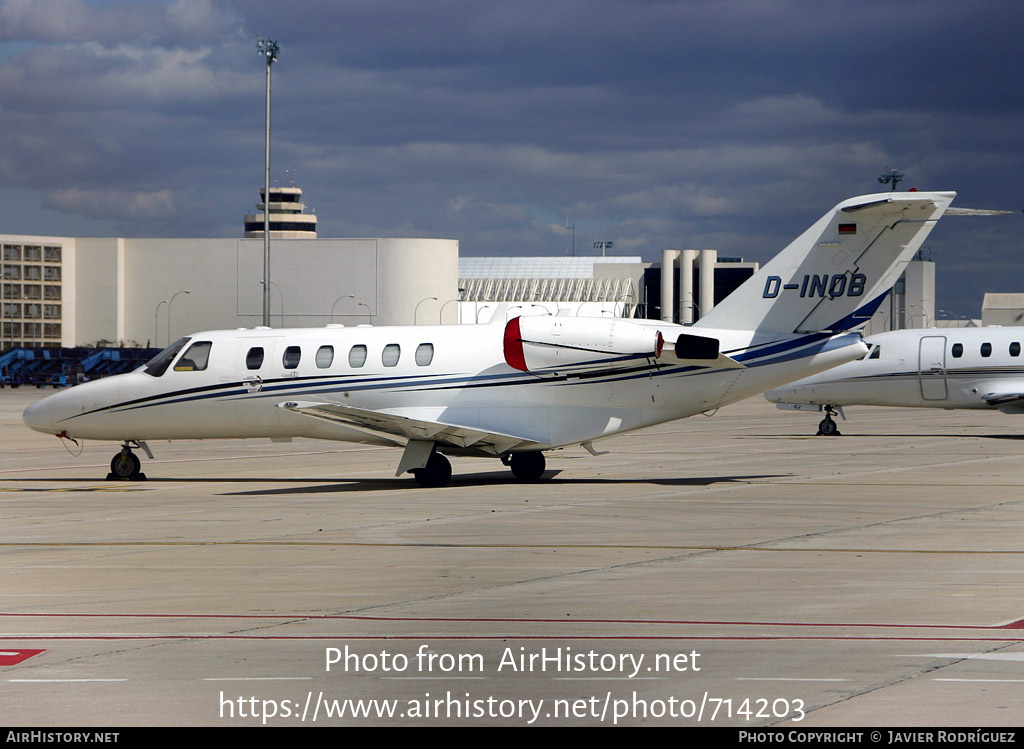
(126, 466)
(827, 427)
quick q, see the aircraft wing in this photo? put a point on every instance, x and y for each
(1009, 403)
(400, 429)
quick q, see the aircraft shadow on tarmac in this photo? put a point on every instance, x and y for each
(499, 478)
(356, 484)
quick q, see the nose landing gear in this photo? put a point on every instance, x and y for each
(827, 427)
(125, 465)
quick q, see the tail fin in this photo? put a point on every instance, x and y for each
(834, 276)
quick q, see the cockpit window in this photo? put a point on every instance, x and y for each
(876, 352)
(159, 363)
(195, 358)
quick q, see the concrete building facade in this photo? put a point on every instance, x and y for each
(68, 291)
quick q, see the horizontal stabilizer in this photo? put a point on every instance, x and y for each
(976, 212)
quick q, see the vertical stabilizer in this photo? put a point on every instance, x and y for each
(834, 275)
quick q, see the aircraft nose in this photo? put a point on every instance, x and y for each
(40, 416)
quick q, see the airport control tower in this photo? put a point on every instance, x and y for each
(287, 217)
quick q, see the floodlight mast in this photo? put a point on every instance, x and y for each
(891, 177)
(269, 50)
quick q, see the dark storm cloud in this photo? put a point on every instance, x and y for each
(728, 124)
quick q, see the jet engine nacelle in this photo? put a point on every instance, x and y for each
(533, 343)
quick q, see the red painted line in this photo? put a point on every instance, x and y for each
(11, 657)
(507, 620)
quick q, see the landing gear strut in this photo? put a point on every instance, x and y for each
(526, 466)
(437, 471)
(126, 466)
(827, 427)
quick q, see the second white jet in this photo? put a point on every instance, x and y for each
(980, 368)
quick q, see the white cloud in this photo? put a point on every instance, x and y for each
(112, 203)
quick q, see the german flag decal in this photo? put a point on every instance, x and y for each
(847, 228)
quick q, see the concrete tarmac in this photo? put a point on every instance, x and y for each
(727, 571)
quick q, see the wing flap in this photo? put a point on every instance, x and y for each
(401, 428)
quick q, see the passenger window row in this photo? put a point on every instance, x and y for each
(357, 356)
(986, 349)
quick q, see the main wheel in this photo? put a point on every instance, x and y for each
(126, 465)
(527, 466)
(437, 471)
(828, 428)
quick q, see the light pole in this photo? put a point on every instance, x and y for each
(346, 296)
(183, 291)
(602, 246)
(417, 308)
(440, 314)
(351, 296)
(156, 317)
(281, 294)
(269, 50)
(891, 176)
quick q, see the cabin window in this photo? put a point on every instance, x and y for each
(357, 356)
(424, 354)
(391, 354)
(195, 358)
(958, 350)
(254, 359)
(876, 352)
(159, 363)
(986, 349)
(324, 357)
(291, 357)
(1015, 349)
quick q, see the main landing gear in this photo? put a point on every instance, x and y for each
(432, 469)
(126, 466)
(526, 466)
(827, 427)
(437, 471)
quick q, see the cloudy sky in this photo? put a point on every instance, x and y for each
(727, 124)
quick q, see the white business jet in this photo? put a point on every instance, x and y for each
(922, 368)
(520, 385)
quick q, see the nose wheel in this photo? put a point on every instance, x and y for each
(126, 466)
(827, 427)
